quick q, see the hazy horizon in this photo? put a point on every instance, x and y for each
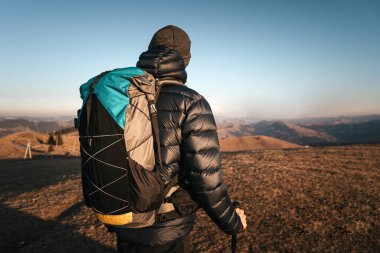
(260, 59)
(217, 117)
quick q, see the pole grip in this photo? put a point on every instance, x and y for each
(236, 204)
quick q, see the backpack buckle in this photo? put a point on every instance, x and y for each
(153, 108)
(161, 217)
(167, 200)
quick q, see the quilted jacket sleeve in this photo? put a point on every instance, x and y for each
(202, 166)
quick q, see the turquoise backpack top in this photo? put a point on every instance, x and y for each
(112, 91)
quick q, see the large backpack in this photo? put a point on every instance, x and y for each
(120, 154)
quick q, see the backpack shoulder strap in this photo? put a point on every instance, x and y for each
(153, 113)
(149, 86)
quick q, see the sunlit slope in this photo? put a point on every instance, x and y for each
(246, 143)
(13, 146)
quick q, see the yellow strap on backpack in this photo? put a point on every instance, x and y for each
(118, 220)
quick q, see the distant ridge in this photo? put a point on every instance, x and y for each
(335, 120)
(309, 131)
(336, 132)
(355, 133)
(292, 132)
(9, 126)
(236, 129)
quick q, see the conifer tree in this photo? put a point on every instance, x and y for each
(51, 140)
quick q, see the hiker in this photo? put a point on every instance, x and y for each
(189, 149)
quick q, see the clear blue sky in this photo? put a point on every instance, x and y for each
(278, 59)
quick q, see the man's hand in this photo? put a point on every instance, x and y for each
(242, 216)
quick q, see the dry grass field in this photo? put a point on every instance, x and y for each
(304, 200)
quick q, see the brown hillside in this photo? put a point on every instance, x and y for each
(236, 129)
(307, 132)
(13, 146)
(246, 143)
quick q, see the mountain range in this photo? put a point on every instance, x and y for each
(9, 126)
(309, 131)
(321, 133)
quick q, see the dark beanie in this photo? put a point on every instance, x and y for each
(174, 38)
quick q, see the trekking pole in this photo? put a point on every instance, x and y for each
(234, 236)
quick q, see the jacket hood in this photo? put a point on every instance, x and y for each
(174, 38)
(163, 63)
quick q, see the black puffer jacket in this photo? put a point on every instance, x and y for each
(189, 147)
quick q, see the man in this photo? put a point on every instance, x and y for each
(189, 149)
